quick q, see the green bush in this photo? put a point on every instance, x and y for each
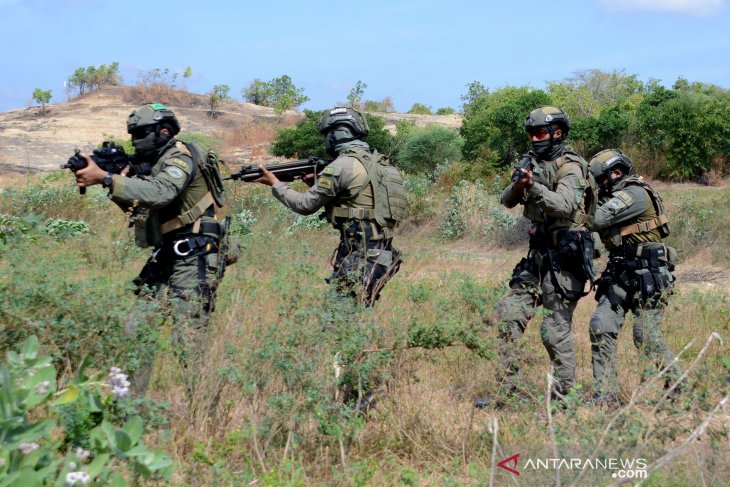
(37, 447)
(426, 149)
(493, 127)
(304, 139)
(420, 109)
(445, 111)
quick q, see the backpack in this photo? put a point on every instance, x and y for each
(209, 168)
(388, 193)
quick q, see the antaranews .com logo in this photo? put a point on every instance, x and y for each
(620, 468)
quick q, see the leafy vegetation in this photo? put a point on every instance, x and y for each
(91, 78)
(281, 347)
(677, 133)
(42, 97)
(280, 93)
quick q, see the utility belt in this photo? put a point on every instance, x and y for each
(343, 216)
(643, 271)
(651, 255)
(567, 254)
(185, 243)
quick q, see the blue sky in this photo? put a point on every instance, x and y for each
(413, 51)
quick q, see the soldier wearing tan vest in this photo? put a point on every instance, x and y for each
(552, 184)
(632, 223)
(174, 213)
(363, 198)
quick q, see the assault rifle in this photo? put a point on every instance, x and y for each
(110, 157)
(285, 171)
(525, 163)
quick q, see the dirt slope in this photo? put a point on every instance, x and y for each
(32, 142)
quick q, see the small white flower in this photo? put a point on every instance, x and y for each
(119, 383)
(72, 465)
(82, 454)
(78, 478)
(28, 448)
(43, 387)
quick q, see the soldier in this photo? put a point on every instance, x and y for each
(363, 198)
(177, 200)
(552, 182)
(631, 222)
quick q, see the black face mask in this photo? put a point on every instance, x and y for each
(547, 150)
(339, 135)
(149, 145)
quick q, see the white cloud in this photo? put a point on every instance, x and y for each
(701, 8)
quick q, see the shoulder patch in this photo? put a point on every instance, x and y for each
(620, 201)
(179, 163)
(324, 182)
(623, 196)
(175, 172)
(332, 170)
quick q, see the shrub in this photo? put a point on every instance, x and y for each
(445, 111)
(304, 139)
(280, 93)
(38, 447)
(420, 109)
(425, 149)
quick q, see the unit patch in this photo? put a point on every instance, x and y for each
(179, 163)
(175, 172)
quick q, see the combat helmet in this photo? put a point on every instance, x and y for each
(344, 116)
(604, 162)
(152, 114)
(546, 117)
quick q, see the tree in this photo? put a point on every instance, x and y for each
(354, 99)
(93, 78)
(420, 109)
(474, 91)
(587, 93)
(425, 149)
(280, 93)
(304, 139)
(384, 106)
(445, 111)
(42, 97)
(493, 126)
(216, 96)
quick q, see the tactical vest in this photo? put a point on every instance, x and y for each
(549, 174)
(187, 212)
(389, 199)
(651, 226)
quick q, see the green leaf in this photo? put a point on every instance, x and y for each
(117, 480)
(28, 433)
(123, 441)
(108, 430)
(134, 428)
(80, 374)
(30, 348)
(71, 394)
(97, 465)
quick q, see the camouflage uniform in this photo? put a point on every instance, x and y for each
(637, 278)
(180, 223)
(551, 275)
(365, 257)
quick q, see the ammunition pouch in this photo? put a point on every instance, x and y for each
(571, 263)
(576, 250)
(644, 271)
